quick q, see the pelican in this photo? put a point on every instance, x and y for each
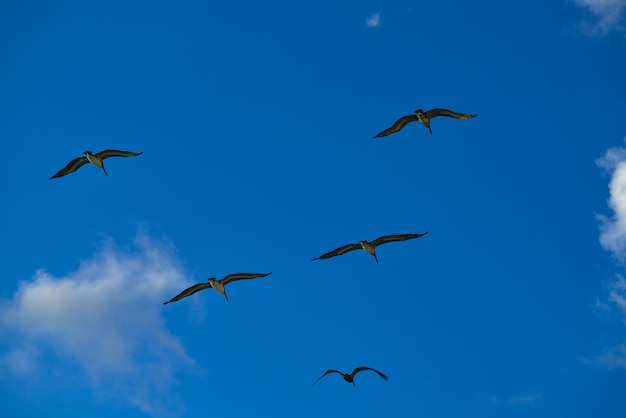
(95, 159)
(423, 118)
(369, 247)
(215, 284)
(350, 377)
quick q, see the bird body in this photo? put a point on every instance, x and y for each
(218, 285)
(349, 377)
(95, 159)
(423, 118)
(369, 246)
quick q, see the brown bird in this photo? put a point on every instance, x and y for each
(369, 247)
(95, 159)
(215, 284)
(423, 118)
(350, 377)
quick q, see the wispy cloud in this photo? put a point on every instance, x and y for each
(612, 358)
(373, 21)
(613, 238)
(613, 229)
(516, 400)
(106, 319)
(524, 399)
(607, 14)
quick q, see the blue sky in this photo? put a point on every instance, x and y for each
(256, 123)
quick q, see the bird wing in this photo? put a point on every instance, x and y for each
(400, 123)
(360, 369)
(325, 373)
(396, 237)
(242, 276)
(339, 251)
(189, 291)
(115, 153)
(73, 165)
(445, 112)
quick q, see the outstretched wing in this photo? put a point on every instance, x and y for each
(188, 292)
(339, 251)
(115, 153)
(396, 237)
(445, 112)
(400, 123)
(242, 276)
(360, 369)
(73, 165)
(325, 373)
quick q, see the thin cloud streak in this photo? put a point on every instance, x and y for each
(607, 12)
(373, 21)
(106, 318)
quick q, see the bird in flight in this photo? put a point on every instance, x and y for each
(218, 285)
(423, 118)
(350, 377)
(369, 247)
(95, 159)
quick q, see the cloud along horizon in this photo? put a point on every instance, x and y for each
(104, 319)
(613, 239)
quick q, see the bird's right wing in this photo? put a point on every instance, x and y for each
(395, 237)
(73, 165)
(189, 291)
(115, 153)
(445, 112)
(400, 123)
(339, 251)
(360, 369)
(325, 373)
(242, 276)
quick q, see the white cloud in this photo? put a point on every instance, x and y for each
(613, 358)
(607, 12)
(617, 294)
(373, 21)
(613, 238)
(106, 319)
(613, 229)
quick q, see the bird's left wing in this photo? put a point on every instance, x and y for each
(242, 276)
(396, 237)
(72, 166)
(398, 125)
(339, 251)
(325, 373)
(188, 292)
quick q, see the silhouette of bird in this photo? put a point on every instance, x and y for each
(95, 159)
(350, 377)
(218, 285)
(369, 247)
(423, 118)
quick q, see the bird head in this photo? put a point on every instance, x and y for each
(88, 153)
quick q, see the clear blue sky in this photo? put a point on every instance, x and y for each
(256, 122)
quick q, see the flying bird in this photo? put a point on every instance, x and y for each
(423, 118)
(369, 247)
(350, 377)
(218, 285)
(95, 159)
